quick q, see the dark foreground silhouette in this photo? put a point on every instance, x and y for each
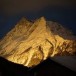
(8, 68)
(46, 68)
(51, 68)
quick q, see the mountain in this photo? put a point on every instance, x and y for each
(31, 42)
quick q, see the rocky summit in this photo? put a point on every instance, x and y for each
(31, 42)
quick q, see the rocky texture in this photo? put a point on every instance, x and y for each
(29, 43)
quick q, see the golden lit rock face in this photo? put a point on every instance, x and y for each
(30, 43)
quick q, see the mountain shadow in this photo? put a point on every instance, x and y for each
(45, 68)
(51, 68)
(8, 68)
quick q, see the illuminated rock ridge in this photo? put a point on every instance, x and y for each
(29, 42)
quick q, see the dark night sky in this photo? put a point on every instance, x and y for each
(62, 11)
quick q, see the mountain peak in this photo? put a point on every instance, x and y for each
(30, 43)
(23, 20)
(43, 18)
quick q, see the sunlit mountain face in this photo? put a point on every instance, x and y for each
(31, 42)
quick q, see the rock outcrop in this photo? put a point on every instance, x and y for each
(29, 43)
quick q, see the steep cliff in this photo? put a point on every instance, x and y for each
(29, 43)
